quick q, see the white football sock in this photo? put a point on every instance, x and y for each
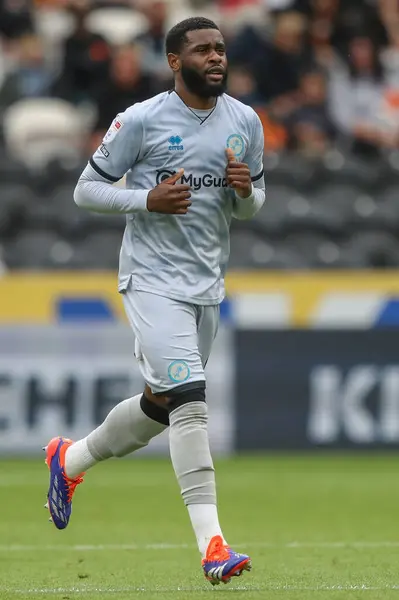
(78, 459)
(126, 429)
(192, 462)
(205, 522)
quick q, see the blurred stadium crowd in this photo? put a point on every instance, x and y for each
(323, 76)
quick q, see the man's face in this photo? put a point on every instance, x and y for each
(313, 88)
(203, 63)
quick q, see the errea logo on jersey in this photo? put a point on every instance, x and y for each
(175, 143)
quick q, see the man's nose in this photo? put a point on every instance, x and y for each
(215, 57)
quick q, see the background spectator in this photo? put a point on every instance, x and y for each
(278, 51)
(276, 47)
(310, 122)
(323, 76)
(152, 41)
(357, 95)
(15, 18)
(126, 84)
(86, 58)
(31, 77)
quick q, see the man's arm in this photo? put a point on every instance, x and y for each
(246, 208)
(94, 192)
(119, 150)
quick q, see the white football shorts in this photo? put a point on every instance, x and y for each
(173, 339)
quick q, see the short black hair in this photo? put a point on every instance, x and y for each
(176, 37)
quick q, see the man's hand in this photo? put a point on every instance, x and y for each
(238, 175)
(169, 197)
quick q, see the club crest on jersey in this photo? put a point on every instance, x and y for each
(175, 143)
(179, 371)
(236, 143)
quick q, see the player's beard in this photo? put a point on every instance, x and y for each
(197, 84)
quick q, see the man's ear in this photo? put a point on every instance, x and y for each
(174, 62)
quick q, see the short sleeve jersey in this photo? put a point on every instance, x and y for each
(183, 257)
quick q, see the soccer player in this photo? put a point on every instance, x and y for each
(194, 159)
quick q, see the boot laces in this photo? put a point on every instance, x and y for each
(217, 551)
(71, 485)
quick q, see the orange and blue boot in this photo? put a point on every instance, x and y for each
(221, 563)
(62, 488)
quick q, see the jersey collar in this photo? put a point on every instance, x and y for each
(202, 122)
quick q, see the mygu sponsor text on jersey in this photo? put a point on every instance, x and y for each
(196, 183)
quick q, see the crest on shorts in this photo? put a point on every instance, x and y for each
(236, 143)
(179, 371)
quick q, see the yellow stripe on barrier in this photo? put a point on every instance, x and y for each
(307, 288)
(32, 297)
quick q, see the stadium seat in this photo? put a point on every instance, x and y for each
(117, 25)
(244, 244)
(3, 65)
(376, 249)
(55, 174)
(52, 24)
(293, 171)
(57, 210)
(8, 218)
(98, 251)
(319, 251)
(15, 194)
(387, 201)
(347, 169)
(283, 210)
(94, 222)
(11, 170)
(390, 169)
(14, 202)
(38, 130)
(37, 249)
(334, 208)
(249, 251)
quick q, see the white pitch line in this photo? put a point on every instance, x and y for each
(359, 544)
(169, 546)
(90, 547)
(266, 588)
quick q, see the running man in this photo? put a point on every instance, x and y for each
(193, 159)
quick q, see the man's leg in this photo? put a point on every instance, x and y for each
(129, 426)
(167, 348)
(197, 482)
(192, 461)
(176, 370)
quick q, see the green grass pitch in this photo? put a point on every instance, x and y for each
(317, 527)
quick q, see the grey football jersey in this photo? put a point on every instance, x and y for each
(183, 257)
